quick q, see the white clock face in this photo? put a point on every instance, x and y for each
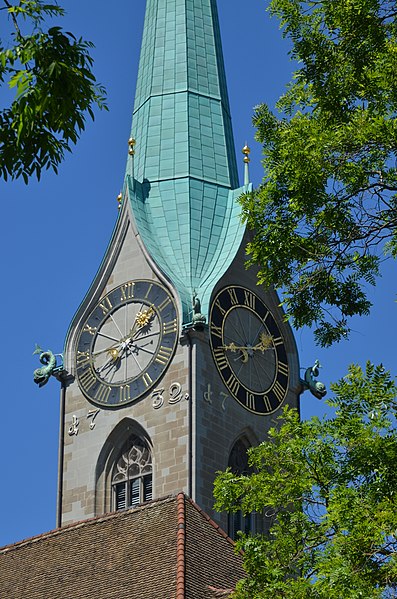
(126, 343)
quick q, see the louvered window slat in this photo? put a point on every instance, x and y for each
(135, 492)
(147, 488)
(120, 496)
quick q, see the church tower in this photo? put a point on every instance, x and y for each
(176, 361)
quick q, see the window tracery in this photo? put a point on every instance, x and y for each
(132, 475)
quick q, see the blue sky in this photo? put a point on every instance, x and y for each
(54, 234)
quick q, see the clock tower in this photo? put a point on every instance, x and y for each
(176, 361)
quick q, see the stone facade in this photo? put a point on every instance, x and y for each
(179, 226)
(191, 434)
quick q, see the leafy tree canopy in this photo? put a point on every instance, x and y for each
(329, 490)
(50, 71)
(326, 211)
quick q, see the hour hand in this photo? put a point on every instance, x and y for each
(238, 348)
(111, 350)
(113, 358)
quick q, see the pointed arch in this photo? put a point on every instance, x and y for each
(123, 474)
(243, 441)
(238, 458)
(238, 463)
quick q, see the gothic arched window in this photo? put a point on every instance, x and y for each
(238, 459)
(132, 475)
(238, 463)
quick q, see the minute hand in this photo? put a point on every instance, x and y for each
(262, 346)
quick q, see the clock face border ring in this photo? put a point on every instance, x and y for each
(148, 294)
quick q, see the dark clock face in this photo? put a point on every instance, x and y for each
(248, 349)
(126, 343)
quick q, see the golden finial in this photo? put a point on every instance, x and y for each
(119, 200)
(246, 151)
(131, 143)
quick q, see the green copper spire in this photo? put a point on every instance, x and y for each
(182, 180)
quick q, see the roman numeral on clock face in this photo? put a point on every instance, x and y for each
(267, 403)
(217, 331)
(124, 393)
(102, 393)
(220, 307)
(249, 299)
(106, 305)
(169, 327)
(163, 304)
(220, 359)
(283, 368)
(87, 379)
(279, 391)
(127, 291)
(233, 384)
(250, 401)
(163, 355)
(148, 290)
(90, 330)
(147, 379)
(82, 359)
(233, 296)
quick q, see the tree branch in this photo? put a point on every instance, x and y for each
(8, 6)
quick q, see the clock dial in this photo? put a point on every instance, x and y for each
(126, 343)
(248, 349)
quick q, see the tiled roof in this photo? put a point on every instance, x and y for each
(167, 549)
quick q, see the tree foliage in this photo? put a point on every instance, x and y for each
(326, 211)
(329, 489)
(51, 74)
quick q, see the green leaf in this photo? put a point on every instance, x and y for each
(56, 90)
(331, 485)
(326, 209)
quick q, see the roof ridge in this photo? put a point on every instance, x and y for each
(180, 547)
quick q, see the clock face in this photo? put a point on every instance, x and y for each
(248, 349)
(126, 343)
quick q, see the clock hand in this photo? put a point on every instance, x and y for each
(143, 348)
(233, 347)
(112, 360)
(115, 356)
(115, 352)
(243, 357)
(264, 344)
(141, 320)
(107, 350)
